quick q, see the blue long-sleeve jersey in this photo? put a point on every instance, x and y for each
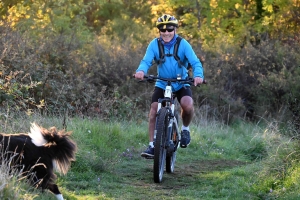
(171, 68)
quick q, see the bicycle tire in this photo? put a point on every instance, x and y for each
(159, 148)
(171, 159)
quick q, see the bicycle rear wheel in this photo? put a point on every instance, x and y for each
(160, 141)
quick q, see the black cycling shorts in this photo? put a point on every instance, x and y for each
(159, 93)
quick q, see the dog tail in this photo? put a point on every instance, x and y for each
(58, 144)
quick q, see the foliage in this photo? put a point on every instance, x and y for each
(62, 78)
(253, 82)
(238, 21)
(77, 57)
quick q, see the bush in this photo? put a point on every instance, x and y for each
(55, 75)
(61, 74)
(254, 81)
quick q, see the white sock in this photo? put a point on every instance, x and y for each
(186, 128)
(151, 144)
(59, 196)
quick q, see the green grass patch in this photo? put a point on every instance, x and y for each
(222, 162)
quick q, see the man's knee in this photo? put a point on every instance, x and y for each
(187, 104)
(153, 110)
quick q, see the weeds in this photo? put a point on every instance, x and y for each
(13, 183)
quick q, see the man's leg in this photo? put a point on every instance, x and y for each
(152, 118)
(187, 113)
(158, 93)
(187, 110)
(149, 152)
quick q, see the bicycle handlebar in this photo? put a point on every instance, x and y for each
(152, 78)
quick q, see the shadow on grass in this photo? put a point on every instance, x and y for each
(184, 174)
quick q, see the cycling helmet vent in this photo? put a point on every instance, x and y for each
(166, 20)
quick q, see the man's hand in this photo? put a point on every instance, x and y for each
(198, 81)
(139, 75)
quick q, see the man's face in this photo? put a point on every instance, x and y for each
(168, 33)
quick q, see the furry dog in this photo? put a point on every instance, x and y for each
(38, 154)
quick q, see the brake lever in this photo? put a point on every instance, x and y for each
(148, 79)
(191, 81)
(142, 81)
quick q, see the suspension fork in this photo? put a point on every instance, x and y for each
(170, 130)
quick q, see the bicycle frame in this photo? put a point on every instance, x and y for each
(169, 104)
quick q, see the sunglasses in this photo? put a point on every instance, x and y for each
(164, 30)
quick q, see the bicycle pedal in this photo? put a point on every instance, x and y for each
(149, 157)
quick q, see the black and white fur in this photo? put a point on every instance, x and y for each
(38, 154)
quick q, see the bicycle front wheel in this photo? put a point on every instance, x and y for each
(159, 148)
(171, 156)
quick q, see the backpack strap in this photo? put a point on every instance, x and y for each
(175, 53)
(161, 52)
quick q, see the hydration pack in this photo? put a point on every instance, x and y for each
(162, 52)
(175, 54)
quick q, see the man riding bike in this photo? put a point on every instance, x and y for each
(169, 67)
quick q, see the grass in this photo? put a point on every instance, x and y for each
(222, 162)
(13, 185)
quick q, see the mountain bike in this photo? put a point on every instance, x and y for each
(166, 134)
